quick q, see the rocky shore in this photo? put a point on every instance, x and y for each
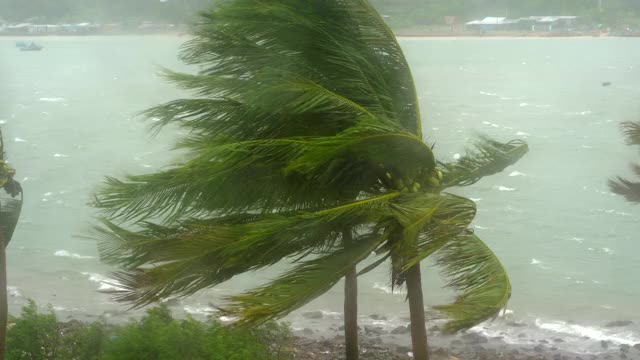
(380, 343)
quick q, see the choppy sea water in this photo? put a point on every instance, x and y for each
(68, 116)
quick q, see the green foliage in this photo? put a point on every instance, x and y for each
(290, 142)
(157, 336)
(34, 335)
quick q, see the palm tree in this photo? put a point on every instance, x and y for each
(304, 144)
(9, 214)
(629, 189)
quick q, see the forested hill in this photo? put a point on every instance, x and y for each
(400, 13)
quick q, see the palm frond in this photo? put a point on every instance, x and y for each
(475, 271)
(631, 130)
(162, 260)
(629, 189)
(486, 158)
(300, 285)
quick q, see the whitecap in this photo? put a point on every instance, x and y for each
(146, 166)
(203, 310)
(386, 289)
(53, 99)
(535, 261)
(488, 93)
(480, 227)
(2, 122)
(19, 140)
(607, 250)
(13, 291)
(521, 133)
(577, 239)
(504, 188)
(60, 155)
(516, 173)
(476, 199)
(227, 319)
(506, 98)
(524, 104)
(105, 282)
(47, 194)
(580, 331)
(65, 253)
(486, 123)
(457, 156)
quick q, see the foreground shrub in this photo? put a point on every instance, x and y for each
(157, 336)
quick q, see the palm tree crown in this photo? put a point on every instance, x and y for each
(306, 123)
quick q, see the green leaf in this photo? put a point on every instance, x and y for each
(488, 157)
(301, 284)
(475, 271)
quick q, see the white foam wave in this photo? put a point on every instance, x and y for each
(457, 156)
(517, 173)
(535, 261)
(65, 253)
(607, 250)
(105, 282)
(480, 227)
(595, 333)
(504, 188)
(488, 93)
(386, 289)
(524, 104)
(52, 99)
(13, 291)
(522, 133)
(2, 122)
(577, 239)
(60, 155)
(19, 140)
(202, 310)
(476, 199)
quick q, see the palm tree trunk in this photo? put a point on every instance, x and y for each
(416, 309)
(350, 307)
(3, 296)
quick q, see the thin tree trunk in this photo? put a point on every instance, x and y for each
(3, 296)
(350, 307)
(416, 308)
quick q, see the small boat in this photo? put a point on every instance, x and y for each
(31, 47)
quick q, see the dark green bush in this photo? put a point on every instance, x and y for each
(157, 336)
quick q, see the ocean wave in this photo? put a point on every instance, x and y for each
(202, 310)
(105, 282)
(13, 291)
(53, 99)
(19, 140)
(522, 133)
(580, 331)
(524, 104)
(65, 253)
(517, 173)
(504, 188)
(57, 155)
(535, 261)
(387, 289)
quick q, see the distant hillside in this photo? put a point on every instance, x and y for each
(400, 13)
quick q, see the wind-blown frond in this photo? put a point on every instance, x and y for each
(300, 285)
(9, 215)
(629, 189)
(488, 157)
(159, 261)
(631, 131)
(299, 171)
(475, 271)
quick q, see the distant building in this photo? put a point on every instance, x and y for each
(530, 23)
(492, 24)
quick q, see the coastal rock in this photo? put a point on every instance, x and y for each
(378, 317)
(624, 348)
(558, 340)
(374, 330)
(312, 315)
(473, 338)
(619, 323)
(401, 330)
(538, 348)
(604, 344)
(636, 346)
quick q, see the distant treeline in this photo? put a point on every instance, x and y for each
(400, 13)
